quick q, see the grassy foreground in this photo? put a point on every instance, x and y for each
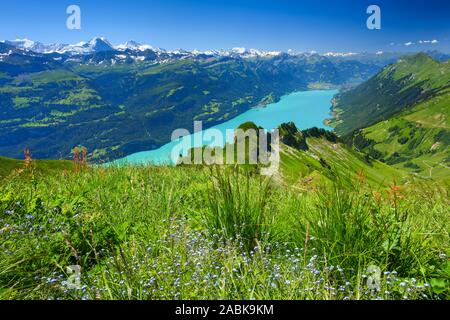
(208, 233)
(41, 167)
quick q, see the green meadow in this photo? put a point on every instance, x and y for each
(344, 230)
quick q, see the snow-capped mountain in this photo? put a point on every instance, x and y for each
(132, 51)
(100, 44)
(26, 44)
(133, 45)
(251, 53)
(340, 54)
(93, 46)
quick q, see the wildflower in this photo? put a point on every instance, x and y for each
(394, 192)
(27, 156)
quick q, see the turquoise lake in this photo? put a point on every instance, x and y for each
(305, 108)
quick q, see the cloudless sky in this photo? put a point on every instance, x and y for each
(302, 25)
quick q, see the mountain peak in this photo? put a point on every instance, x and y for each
(133, 45)
(99, 44)
(136, 49)
(26, 44)
(99, 40)
(419, 58)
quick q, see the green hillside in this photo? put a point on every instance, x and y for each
(411, 81)
(410, 127)
(326, 161)
(417, 140)
(314, 157)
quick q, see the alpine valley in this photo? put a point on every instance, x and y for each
(118, 100)
(401, 116)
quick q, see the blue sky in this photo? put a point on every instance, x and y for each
(307, 25)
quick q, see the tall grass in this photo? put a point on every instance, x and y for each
(354, 228)
(173, 233)
(239, 206)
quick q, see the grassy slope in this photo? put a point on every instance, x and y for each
(305, 169)
(161, 239)
(176, 216)
(417, 139)
(8, 165)
(325, 162)
(425, 147)
(410, 81)
(406, 110)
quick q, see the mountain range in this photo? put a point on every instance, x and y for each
(139, 52)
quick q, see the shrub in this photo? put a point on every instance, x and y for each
(394, 130)
(443, 136)
(375, 154)
(403, 140)
(411, 165)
